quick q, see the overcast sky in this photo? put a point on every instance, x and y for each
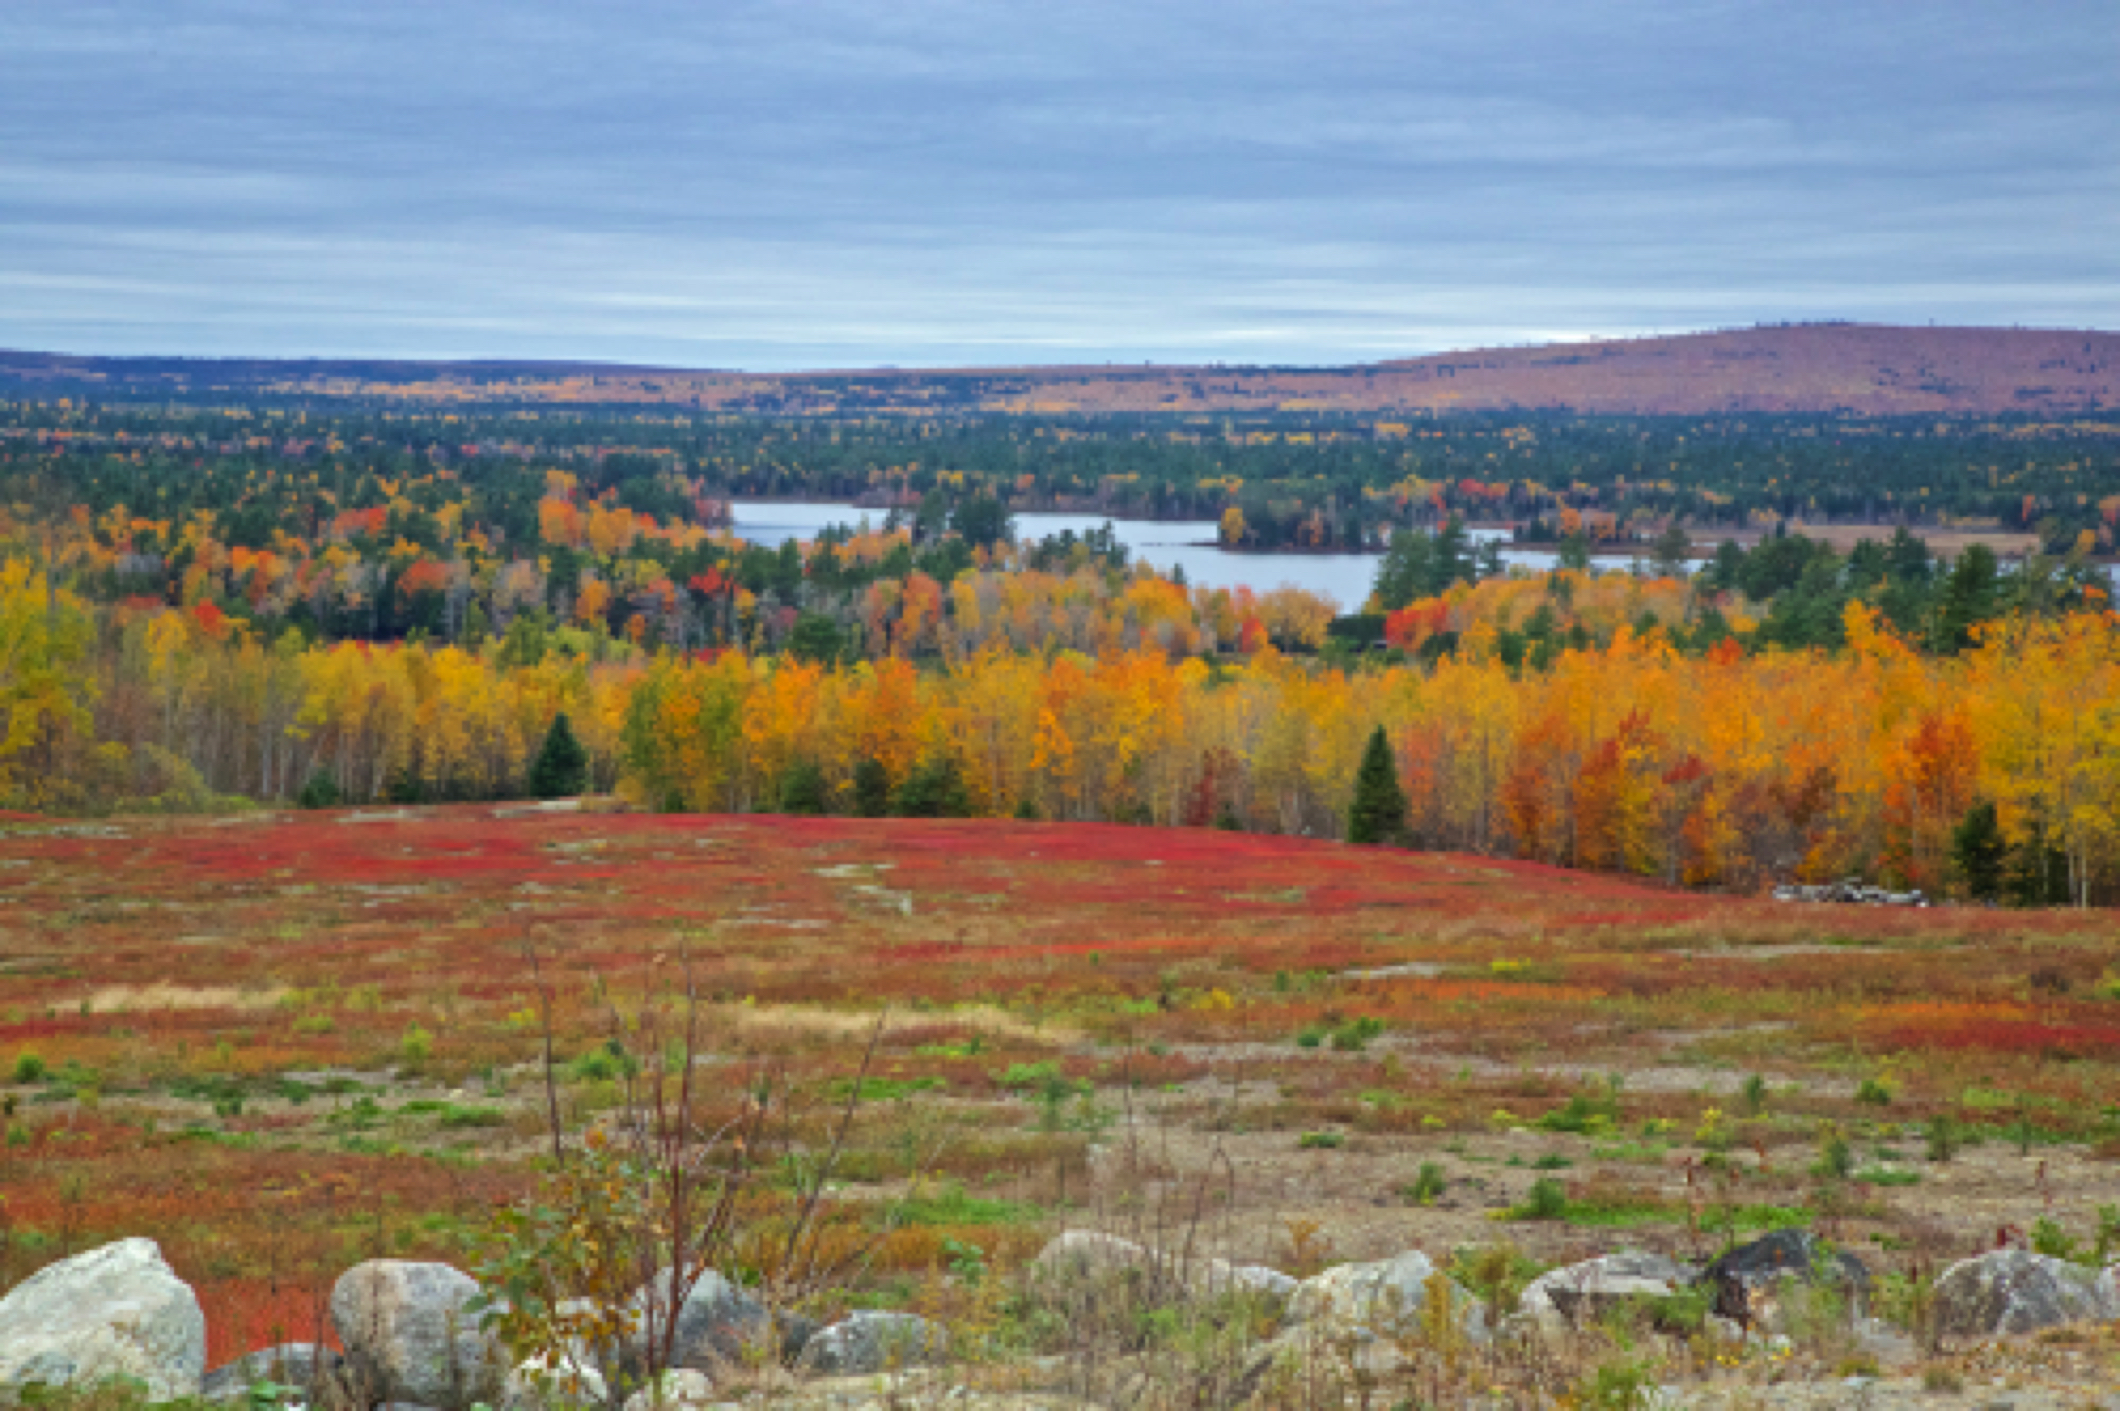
(807, 183)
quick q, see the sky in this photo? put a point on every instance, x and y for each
(808, 183)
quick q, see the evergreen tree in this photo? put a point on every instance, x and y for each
(803, 791)
(934, 790)
(322, 791)
(561, 770)
(872, 789)
(1027, 809)
(2037, 874)
(1978, 851)
(1379, 811)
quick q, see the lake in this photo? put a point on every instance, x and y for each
(1164, 543)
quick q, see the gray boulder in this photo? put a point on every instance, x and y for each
(867, 1341)
(300, 1365)
(411, 1335)
(1583, 1293)
(2015, 1291)
(1753, 1282)
(720, 1322)
(1386, 1297)
(117, 1311)
(679, 1391)
(1089, 1255)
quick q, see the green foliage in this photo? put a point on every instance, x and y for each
(322, 790)
(933, 790)
(803, 791)
(1546, 1200)
(1354, 1035)
(30, 1068)
(1321, 1141)
(817, 638)
(1427, 1186)
(1836, 1159)
(1980, 853)
(1378, 813)
(562, 766)
(1873, 1093)
(1754, 1093)
(1942, 1136)
(951, 1205)
(872, 789)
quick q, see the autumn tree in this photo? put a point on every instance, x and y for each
(562, 767)
(1378, 814)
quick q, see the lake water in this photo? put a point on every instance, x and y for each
(1165, 544)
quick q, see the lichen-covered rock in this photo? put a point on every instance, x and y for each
(117, 1311)
(1089, 1255)
(549, 1383)
(1386, 1296)
(1753, 1281)
(719, 1323)
(1582, 1293)
(2015, 1291)
(300, 1365)
(410, 1334)
(682, 1390)
(869, 1341)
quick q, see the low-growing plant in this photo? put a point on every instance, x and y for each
(1427, 1186)
(1941, 1134)
(1321, 1141)
(30, 1068)
(1874, 1093)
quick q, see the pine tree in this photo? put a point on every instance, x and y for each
(934, 790)
(562, 767)
(1379, 811)
(1979, 852)
(872, 789)
(322, 791)
(803, 790)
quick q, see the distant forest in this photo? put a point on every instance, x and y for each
(1296, 480)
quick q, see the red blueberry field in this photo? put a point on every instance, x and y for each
(280, 1043)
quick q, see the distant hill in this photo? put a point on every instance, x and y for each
(1860, 368)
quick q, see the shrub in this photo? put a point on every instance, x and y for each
(417, 1045)
(1321, 1141)
(29, 1068)
(1873, 1093)
(1836, 1159)
(1754, 1093)
(1354, 1035)
(1942, 1137)
(1547, 1200)
(1427, 1186)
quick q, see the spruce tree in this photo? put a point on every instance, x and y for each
(1979, 851)
(872, 789)
(322, 791)
(1379, 811)
(803, 790)
(934, 790)
(562, 767)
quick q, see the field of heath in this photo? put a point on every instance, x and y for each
(279, 1043)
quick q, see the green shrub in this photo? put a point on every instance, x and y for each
(1874, 1093)
(1547, 1200)
(1354, 1035)
(1321, 1141)
(1427, 1186)
(1943, 1138)
(29, 1068)
(1754, 1093)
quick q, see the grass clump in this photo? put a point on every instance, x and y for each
(1320, 1141)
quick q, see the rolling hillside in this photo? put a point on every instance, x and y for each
(1858, 368)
